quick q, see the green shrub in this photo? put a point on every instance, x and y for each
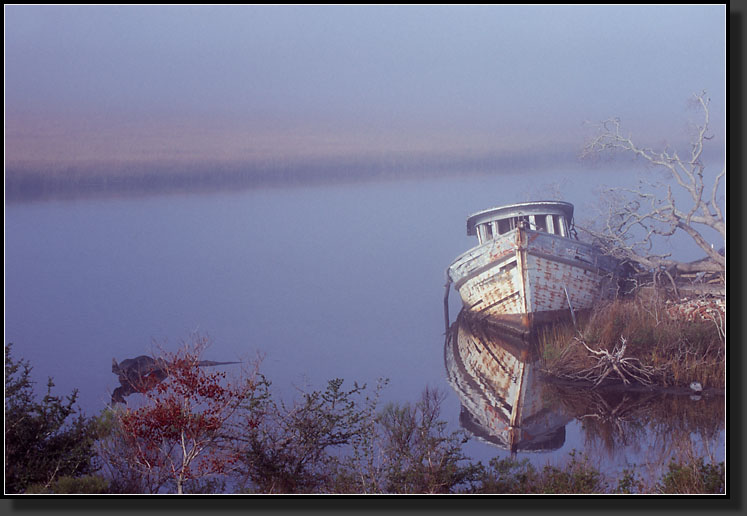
(577, 477)
(88, 484)
(43, 440)
(507, 476)
(629, 483)
(511, 476)
(693, 477)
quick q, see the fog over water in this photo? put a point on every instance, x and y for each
(91, 87)
(324, 282)
(294, 180)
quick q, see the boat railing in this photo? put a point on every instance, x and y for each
(482, 254)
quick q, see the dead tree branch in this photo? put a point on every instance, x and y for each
(635, 217)
(626, 368)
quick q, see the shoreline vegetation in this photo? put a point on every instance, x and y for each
(339, 440)
(641, 342)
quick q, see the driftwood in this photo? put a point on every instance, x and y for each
(626, 368)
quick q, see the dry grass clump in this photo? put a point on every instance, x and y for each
(635, 340)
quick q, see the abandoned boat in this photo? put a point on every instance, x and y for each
(500, 389)
(529, 267)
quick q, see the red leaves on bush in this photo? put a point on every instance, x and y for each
(184, 423)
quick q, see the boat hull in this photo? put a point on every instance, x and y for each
(524, 278)
(500, 389)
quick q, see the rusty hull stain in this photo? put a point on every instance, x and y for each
(524, 272)
(496, 382)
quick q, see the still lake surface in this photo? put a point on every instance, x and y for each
(326, 282)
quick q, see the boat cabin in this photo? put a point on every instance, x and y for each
(552, 217)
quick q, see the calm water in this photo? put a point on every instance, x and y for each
(326, 282)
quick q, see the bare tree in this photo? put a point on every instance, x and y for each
(635, 217)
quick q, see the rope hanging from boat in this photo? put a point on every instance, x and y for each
(446, 301)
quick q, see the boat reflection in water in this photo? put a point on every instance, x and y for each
(497, 380)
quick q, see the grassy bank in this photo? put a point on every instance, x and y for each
(513, 476)
(636, 341)
(579, 476)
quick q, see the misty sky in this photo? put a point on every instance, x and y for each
(141, 83)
